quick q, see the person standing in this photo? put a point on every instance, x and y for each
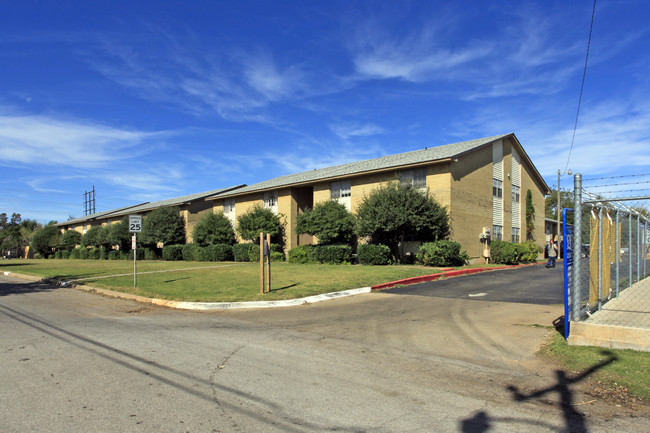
(552, 254)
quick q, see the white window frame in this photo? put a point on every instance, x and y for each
(271, 201)
(516, 235)
(417, 178)
(229, 209)
(497, 188)
(516, 193)
(497, 233)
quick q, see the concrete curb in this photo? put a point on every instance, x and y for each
(445, 274)
(198, 306)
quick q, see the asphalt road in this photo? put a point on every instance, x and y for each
(381, 362)
(526, 285)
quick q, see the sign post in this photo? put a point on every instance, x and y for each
(135, 227)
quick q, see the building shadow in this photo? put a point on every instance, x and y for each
(574, 421)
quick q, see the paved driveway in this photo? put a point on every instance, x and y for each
(527, 285)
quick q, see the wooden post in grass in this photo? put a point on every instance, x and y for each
(261, 263)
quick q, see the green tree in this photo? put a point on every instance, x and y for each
(92, 237)
(212, 229)
(45, 239)
(530, 216)
(259, 219)
(163, 225)
(551, 203)
(329, 221)
(70, 239)
(393, 213)
(118, 234)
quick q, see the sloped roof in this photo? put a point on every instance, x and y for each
(386, 162)
(147, 206)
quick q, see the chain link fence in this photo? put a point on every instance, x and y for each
(607, 266)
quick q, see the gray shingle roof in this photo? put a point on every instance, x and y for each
(398, 160)
(147, 206)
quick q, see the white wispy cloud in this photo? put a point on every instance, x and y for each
(348, 130)
(49, 141)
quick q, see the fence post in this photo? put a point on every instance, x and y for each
(577, 244)
(618, 249)
(600, 257)
(629, 249)
(638, 247)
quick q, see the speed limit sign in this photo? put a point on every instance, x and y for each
(135, 223)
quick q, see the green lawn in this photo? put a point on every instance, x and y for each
(214, 282)
(627, 368)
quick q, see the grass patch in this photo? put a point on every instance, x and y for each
(630, 368)
(214, 282)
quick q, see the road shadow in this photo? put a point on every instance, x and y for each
(24, 288)
(574, 421)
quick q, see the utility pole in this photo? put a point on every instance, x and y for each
(559, 205)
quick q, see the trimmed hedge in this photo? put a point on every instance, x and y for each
(509, 253)
(190, 252)
(83, 253)
(331, 254)
(115, 255)
(242, 252)
(373, 254)
(65, 254)
(442, 253)
(57, 254)
(173, 252)
(277, 253)
(152, 253)
(214, 253)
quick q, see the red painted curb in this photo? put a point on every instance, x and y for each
(448, 273)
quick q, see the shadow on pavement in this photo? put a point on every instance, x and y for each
(573, 420)
(23, 288)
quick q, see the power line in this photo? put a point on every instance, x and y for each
(616, 177)
(582, 86)
(619, 184)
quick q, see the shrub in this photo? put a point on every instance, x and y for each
(330, 221)
(254, 252)
(57, 255)
(65, 254)
(213, 229)
(173, 252)
(83, 253)
(190, 252)
(152, 253)
(442, 253)
(93, 254)
(277, 256)
(258, 219)
(51, 256)
(76, 253)
(103, 253)
(140, 254)
(503, 252)
(242, 252)
(300, 254)
(221, 252)
(528, 252)
(373, 254)
(114, 255)
(332, 254)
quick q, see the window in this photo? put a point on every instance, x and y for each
(229, 209)
(340, 189)
(497, 233)
(515, 235)
(271, 200)
(515, 194)
(417, 178)
(497, 188)
(85, 228)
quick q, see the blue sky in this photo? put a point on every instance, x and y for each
(149, 100)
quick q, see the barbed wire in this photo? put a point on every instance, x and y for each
(615, 177)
